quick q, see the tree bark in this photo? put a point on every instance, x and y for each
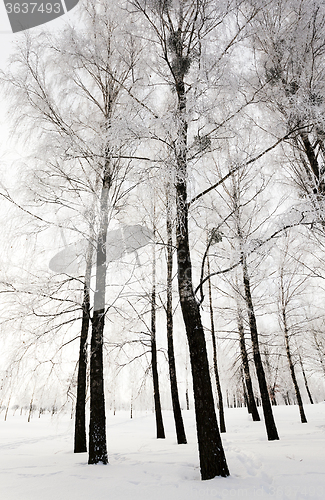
(246, 403)
(271, 429)
(251, 403)
(212, 458)
(156, 392)
(292, 368)
(271, 387)
(319, 351)
(310, 153)
(305, 380)
(187, 399)
(97, 425)
(80, 441)
(215, 361)
(179, 424)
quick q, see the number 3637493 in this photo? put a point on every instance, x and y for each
(31, 7)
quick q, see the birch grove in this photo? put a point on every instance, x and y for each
(176, 149)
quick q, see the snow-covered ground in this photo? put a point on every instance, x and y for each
(36, 459)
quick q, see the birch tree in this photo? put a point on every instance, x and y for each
(242, 225)
(293, 282)
(180, 30)
(179, 424)
(96, 64)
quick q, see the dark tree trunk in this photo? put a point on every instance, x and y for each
(179, 424)
(310, 153)
(212, 458)
(156, 393)
(292, 368)
(269, 369)
(215, 362)
(246, 403)
(80, 442)
(271, 429)
(251, 403)
(319, 351)
(97, 425)
(305, 380)
(272, 397)
(186, 397)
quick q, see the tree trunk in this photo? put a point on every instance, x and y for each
(251, 403)
(97, 425)
(212, 458)
(305, 380)
(319, 351)
(179, 424)
(80, 442)
(292, 368)
(156, 393)
(215, 362)
(187, 399)
(30, 407)
(246, 403)
(271, 429)
(312, 158)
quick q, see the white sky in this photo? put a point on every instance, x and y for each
(5, 30)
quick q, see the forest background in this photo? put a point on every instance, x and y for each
(170, 180)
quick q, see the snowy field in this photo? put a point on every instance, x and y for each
(36, 459)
